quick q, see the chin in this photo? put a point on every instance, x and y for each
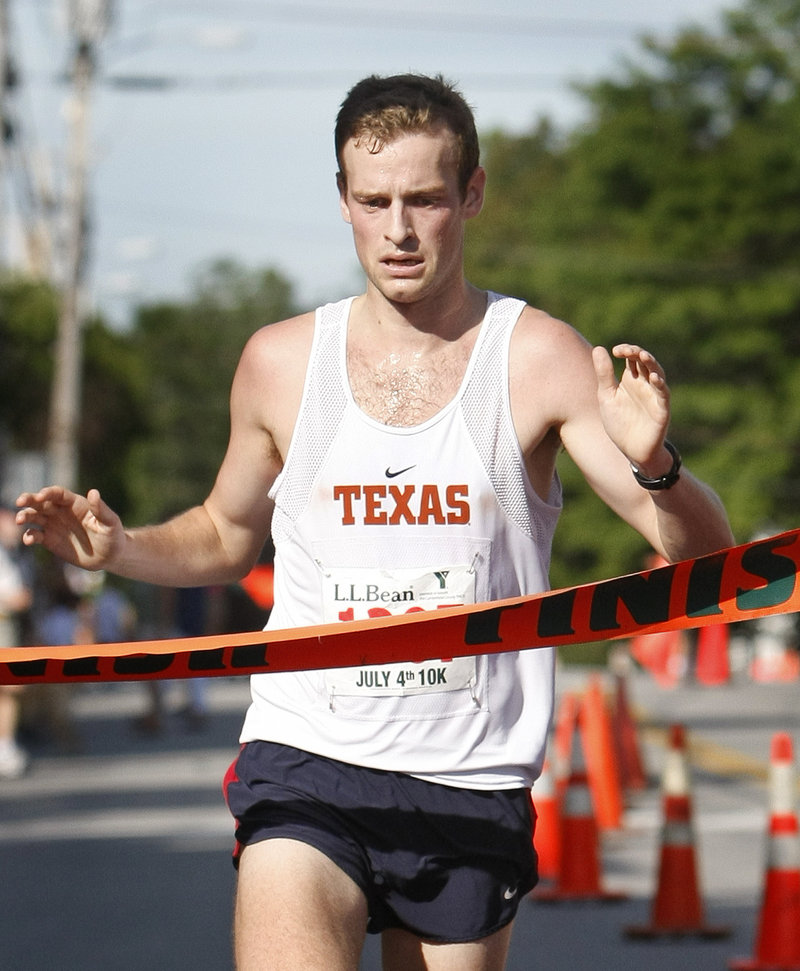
(403, 296)
(405, 292)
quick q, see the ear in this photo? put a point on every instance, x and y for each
(473, 197)
(341, 185)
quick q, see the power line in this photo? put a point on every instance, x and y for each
(298, 80)
(416, 20)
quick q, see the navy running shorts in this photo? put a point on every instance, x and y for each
(447, 864)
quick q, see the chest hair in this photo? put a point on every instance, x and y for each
(409, 388)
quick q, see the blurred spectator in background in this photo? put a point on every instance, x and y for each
(180, 612)
(113, 614)
(63, 615)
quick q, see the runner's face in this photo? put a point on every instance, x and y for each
(407, 213)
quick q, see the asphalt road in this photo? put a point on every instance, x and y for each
(116, 856)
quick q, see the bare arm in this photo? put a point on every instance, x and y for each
(219, 540)
(685, 520)
(606, 424)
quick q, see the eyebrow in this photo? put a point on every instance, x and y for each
(434, 189)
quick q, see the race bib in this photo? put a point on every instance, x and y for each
(360, 594)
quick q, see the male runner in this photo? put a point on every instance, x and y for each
(401, 446)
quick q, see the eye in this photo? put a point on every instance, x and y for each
(431, 197)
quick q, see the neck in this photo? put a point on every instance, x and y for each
(405, 366)
(444, 317)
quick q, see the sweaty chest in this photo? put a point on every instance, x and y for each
(405, 390)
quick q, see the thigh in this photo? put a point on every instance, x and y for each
(296, 909)
(403, 951)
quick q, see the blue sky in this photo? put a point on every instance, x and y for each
(230, 154)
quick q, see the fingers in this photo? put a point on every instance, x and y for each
(102, 513)
(640, 399)
(29, 515)
(51, 507)
(51, 497)
(54, 494)
(603, 369)
(30, 537)
(640, 363)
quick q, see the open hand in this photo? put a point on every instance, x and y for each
(636, 409)
(81, 530)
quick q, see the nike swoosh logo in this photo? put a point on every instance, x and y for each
(510, 893)
(393, 475)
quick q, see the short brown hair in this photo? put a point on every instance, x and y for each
(379, 109)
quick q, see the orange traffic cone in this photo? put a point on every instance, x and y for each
(546, 834)
(778, 937)
(774, 659)
(677, 908)
(663, 654)
(579, 844)
(258, 585)
(631, 766)
(712, 666)
(601, 757)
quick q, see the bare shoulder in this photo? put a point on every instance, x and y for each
(538, 335)
(268, 385)
(550, 363)
(275, 346)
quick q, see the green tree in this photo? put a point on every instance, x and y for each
(28, 315)
(672, 218)
(187, 357)
(110, 411)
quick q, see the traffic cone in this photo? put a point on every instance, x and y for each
(579, 845)
(601, 757)
(629, 756)
(663, 654)
(712, 666)
(677, 908)
(546, 833)
(259, 585)
(774, 659)
(778, 935)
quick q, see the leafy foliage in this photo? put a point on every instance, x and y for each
(110, 412)
(154, 418)
(187, 355)
(672, 218)
(28, 314)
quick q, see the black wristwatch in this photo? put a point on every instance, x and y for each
(666, 481)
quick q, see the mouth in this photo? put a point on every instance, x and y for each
(402, 264)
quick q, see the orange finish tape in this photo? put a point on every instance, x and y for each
(742, 583)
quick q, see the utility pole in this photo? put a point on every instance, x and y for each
(88, 22)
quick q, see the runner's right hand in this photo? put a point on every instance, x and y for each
(80, 529)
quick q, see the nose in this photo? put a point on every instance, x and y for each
(398, 229)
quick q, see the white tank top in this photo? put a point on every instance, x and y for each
(373, 519)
